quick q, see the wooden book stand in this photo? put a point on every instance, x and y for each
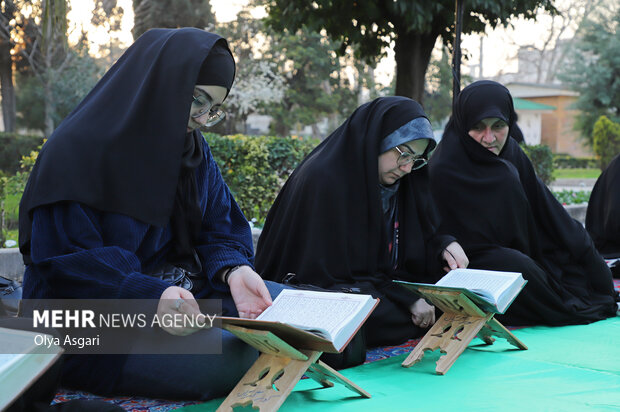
(270, 380)
(461, 322)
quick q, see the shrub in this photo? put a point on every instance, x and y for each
(11, 189)
(566, 161)
(256, 167)
(571, 197)
(542, 160)
(606, 138)
(253, 167)
(12, 147)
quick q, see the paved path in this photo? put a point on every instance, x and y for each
(572, 184)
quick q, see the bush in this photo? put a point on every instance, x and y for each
(571, 197)
(256, 167)
(11, 189)
(566, 161)
(542, 160)
(606, 138)
(12, 147)
(253, 167)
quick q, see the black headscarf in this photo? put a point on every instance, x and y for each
(125, 148)
(327, 223)
(493, 201)
(603, 216)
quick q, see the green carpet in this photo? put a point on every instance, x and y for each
(571, 368)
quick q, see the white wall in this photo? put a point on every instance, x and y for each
(530, 123)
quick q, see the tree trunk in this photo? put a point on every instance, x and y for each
(49, 109)
(7, 86)
(412, 54)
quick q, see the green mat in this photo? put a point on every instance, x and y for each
(571, 368)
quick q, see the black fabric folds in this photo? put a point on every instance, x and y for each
(327, 223)
(506, 219)
(603, 216)
(125, 147)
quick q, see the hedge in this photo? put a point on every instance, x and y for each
(606, 138)
(566, 161)
(12, 147)
(572, 197)
(256, 167)
(542, 160)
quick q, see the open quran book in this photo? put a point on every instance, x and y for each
(491, 290)
(324, 321)
(23, 359)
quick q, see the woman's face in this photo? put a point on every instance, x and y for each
(389, 171)
(206, 99)
(491, 133)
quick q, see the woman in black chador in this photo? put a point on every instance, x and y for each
(506, 219)
(357, 213)
(126, 202)
(603, 217)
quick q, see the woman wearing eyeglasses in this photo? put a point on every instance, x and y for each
(126, 202)
(356, 214)
(489, 197)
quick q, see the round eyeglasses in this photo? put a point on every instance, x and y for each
(405, 158)
(203, 102)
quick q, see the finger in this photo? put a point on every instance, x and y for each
(186, 303)
(451, 261)
(265, 295)
(191, 307)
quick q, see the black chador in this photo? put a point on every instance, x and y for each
(327, 225)
(506, 219)
(603, 217)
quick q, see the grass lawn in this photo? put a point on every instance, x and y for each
(576, 173)
(11, 209)
(12, 235)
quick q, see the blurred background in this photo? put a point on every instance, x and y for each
(304, 66)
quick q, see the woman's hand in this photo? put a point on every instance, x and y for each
(249, 292)
(178, 303)
(455, 257)
(422, 314)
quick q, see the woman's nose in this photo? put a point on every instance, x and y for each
(202, 119)
(407, 167)
(488, 135)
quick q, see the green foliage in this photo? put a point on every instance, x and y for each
(566, 161)
(438, 90)
(606, 137)
(373, 25)
(170, 13)
(256, 167)
(542, 160)
(594, 72)
(12, 147)
(11, 189)
(412, 26)
(307, 62)
(69, 87)
(571, 197)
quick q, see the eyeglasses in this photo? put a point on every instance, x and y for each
(204, 104)
(406, 158)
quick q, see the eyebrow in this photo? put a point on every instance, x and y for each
(204, 93)
(413, 152)
(211, 99)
